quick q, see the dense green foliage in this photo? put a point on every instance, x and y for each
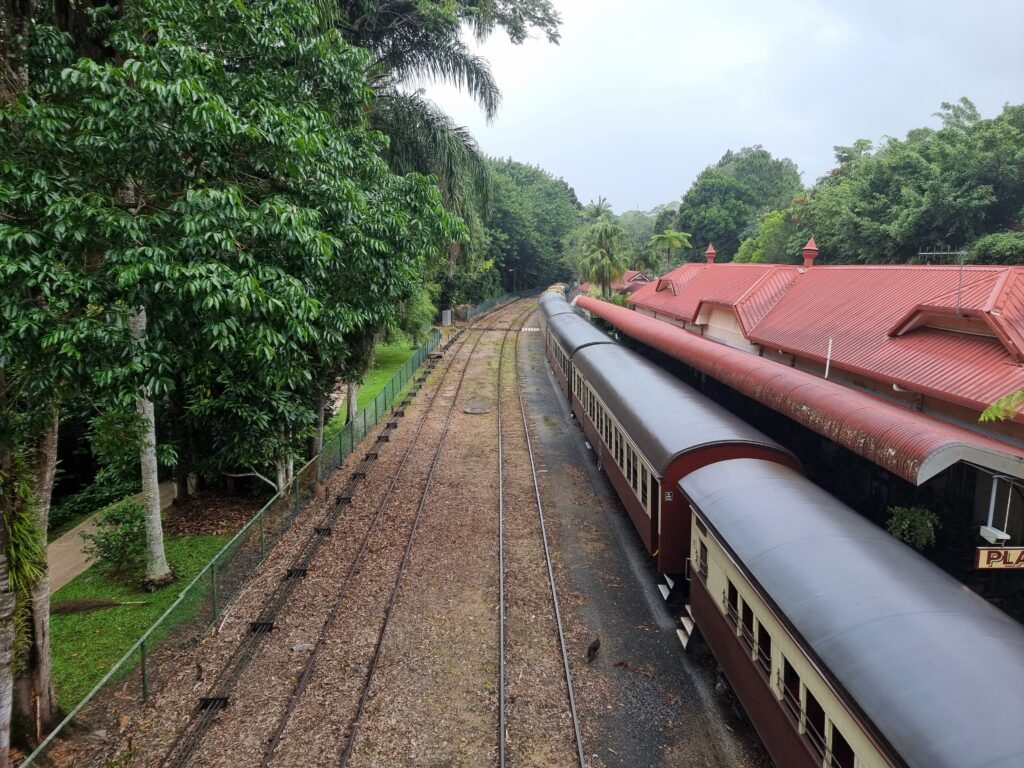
(530, 214)
(913, 525)
(221, 176)
(946, 187)
(956, 187)
(727, 197)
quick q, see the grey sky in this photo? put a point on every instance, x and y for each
(640, 96)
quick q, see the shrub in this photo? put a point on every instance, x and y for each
(913, 525)
(109, 486)
(119, 543)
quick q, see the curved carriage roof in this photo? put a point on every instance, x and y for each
(663, 416)
(574, 333)
(552, 304)
(938, 670)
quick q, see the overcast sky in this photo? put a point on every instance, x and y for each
(641, 95)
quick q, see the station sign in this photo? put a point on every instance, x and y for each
(999, 557)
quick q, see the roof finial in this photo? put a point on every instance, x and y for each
(710, 253)
(810, 252)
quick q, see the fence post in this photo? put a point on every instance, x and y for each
(213, 590)
(263, 548)
(376, 415)
(145, 671)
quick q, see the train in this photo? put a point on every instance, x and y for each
(844, 647)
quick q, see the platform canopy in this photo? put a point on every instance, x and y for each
(909, 444)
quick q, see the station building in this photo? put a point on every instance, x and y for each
(874, 375)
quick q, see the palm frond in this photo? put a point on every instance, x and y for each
(423, 139)
(418, 56)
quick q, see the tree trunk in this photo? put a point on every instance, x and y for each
(6, 610)
(157, 570)
(282, 474)
(351, 400)
(181, 437)
(40, 663)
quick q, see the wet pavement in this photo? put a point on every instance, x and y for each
(644, 701)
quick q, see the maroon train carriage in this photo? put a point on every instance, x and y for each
(649, 430)
(846, 648)
(566, 334)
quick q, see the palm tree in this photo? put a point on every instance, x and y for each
(597, 209)
(605, 254)
(666, 242)
(413, 43)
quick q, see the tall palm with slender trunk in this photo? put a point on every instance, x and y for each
(605, 254)
(664, 243)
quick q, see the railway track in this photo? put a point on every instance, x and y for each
(353, 728)
(219, 694)
(523, 545)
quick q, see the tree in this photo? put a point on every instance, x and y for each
(605, 254)
(934, 188)
(664, 243)
(724, 202)
(530, 214)
(597, 209)
(212, 185)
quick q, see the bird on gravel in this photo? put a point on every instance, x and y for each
(593, 648)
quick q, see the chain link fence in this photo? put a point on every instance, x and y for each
(157, 655)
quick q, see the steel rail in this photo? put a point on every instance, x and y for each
(308, 669)
(551, 578)
(353, 729)
(190, 737)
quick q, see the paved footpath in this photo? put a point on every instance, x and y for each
(65, 556)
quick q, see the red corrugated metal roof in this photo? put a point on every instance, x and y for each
(865, 309)
(907, 443)
(680, 292)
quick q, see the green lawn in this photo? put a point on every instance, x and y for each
(388, 360)
(86, 645)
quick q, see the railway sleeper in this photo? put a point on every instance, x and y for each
(296, 573)
(391, 425)
(359, 475)
(215, 703)
(343, 501)
(260, 627)
(371, 456)
(322, 530)
(383, 438)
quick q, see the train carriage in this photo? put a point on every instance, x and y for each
(649, 430)
(846, 648)
(565, 335)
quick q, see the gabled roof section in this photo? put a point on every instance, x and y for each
(681, 292)
(908, 325)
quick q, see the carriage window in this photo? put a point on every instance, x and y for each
(791, 688)
(814, 725)
(764, 649)
(732, 604)
(643, 485)
(842, 753)
(702, 566)
(747, 628)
